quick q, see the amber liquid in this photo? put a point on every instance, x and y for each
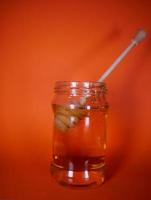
(79, 153)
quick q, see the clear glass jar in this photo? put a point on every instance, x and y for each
(79, 134)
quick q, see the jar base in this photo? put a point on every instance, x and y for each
(79, 179)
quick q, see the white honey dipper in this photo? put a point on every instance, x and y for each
(66, 118)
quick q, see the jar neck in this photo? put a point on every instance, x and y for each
(80, 88)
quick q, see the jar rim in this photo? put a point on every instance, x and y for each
(83, 84)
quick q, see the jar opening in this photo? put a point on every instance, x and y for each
(79, 84)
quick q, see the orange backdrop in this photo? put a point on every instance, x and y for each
(44, 41)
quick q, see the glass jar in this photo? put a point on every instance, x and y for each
(79, 134)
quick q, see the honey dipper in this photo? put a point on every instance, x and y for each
(65, 117)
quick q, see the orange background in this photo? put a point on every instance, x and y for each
(44, 41)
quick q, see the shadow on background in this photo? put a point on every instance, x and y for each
(128, 112)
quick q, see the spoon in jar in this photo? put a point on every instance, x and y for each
(65, 117)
